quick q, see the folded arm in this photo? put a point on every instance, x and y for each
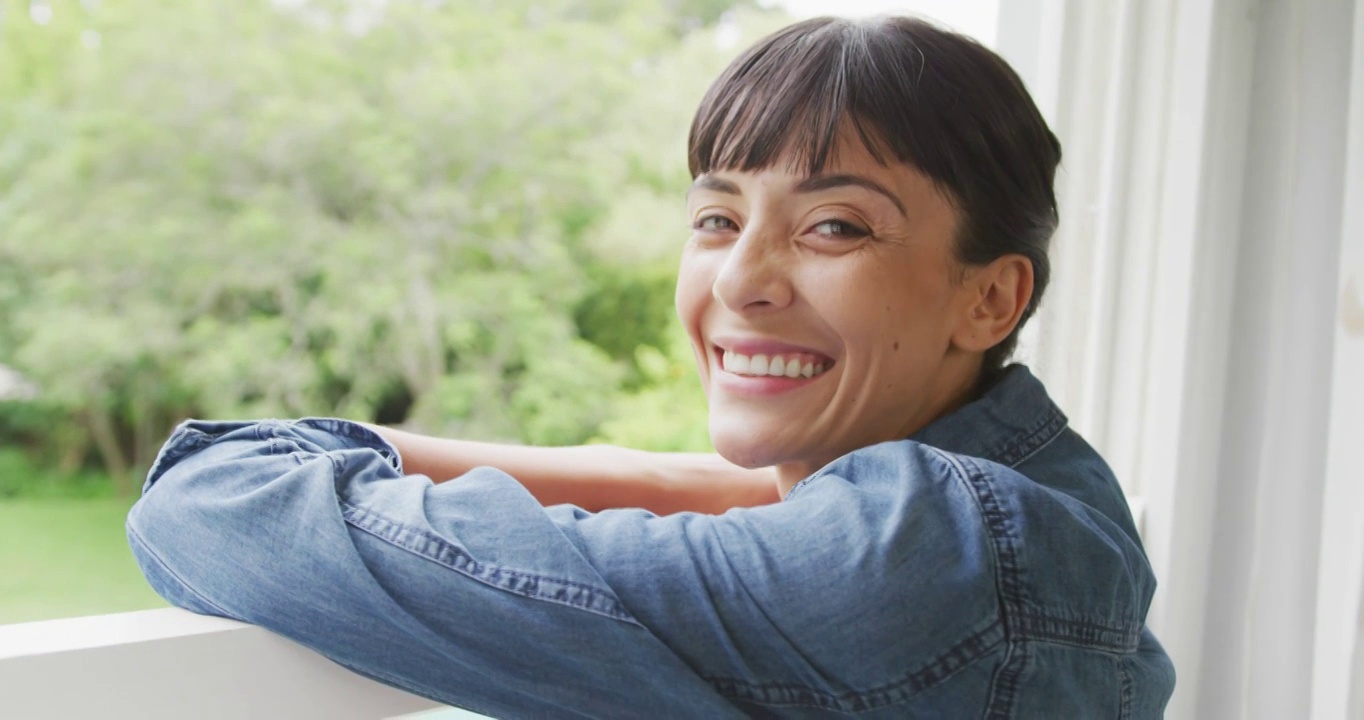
(595, 477)
(472, 593)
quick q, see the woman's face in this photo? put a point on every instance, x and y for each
(823, 309)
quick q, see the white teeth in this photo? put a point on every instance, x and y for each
(774, 366)
(735, 363)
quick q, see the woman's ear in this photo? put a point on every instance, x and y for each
(996, 296)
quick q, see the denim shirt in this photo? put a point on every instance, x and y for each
(986, 567)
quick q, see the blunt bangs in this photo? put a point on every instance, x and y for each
(786, 97)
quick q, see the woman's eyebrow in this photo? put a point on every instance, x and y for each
(816, 183)
(715, 184)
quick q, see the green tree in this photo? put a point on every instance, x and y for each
(461, 216)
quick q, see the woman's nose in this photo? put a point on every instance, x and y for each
(754, 276)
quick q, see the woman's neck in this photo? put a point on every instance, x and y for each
(958, 388)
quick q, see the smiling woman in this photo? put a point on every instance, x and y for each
(834, 275)
(830, 185)
(898, 524)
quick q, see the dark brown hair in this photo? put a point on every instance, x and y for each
(916, 94)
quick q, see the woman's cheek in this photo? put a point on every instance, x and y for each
(695, 279)
(691, 287)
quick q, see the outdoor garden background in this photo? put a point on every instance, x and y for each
(460, 216)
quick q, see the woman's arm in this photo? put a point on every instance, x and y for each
(595, 477)
(865, 596)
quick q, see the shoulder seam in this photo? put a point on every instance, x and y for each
(1024, 446)
(998, 527)
(1008, 582)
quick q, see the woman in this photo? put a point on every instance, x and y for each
(902, 526)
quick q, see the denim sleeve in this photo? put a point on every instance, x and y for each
(470, 593)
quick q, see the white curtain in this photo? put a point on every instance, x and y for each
(1205, 329)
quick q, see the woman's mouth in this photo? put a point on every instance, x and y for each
(787, 365)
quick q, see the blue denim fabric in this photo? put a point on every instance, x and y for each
(987, 567)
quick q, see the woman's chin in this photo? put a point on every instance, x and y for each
(746, 446)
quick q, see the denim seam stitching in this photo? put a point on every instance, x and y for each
(950, 662)
(1009, 583)
(595, 600)
(1124, 692)
(1061, 423)
(1026, 444)
(1004, 683)
(162, 563)
(999, 528)
(1078, 633)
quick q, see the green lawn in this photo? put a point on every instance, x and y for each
(62, 558)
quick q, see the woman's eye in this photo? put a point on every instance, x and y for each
(714, 223)
(839, 229)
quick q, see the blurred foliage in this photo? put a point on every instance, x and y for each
(458, 216)
(668, 411)
(21, 478)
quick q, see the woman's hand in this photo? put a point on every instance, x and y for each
(596, 477)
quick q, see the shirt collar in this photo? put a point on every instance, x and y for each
(1008, 424)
